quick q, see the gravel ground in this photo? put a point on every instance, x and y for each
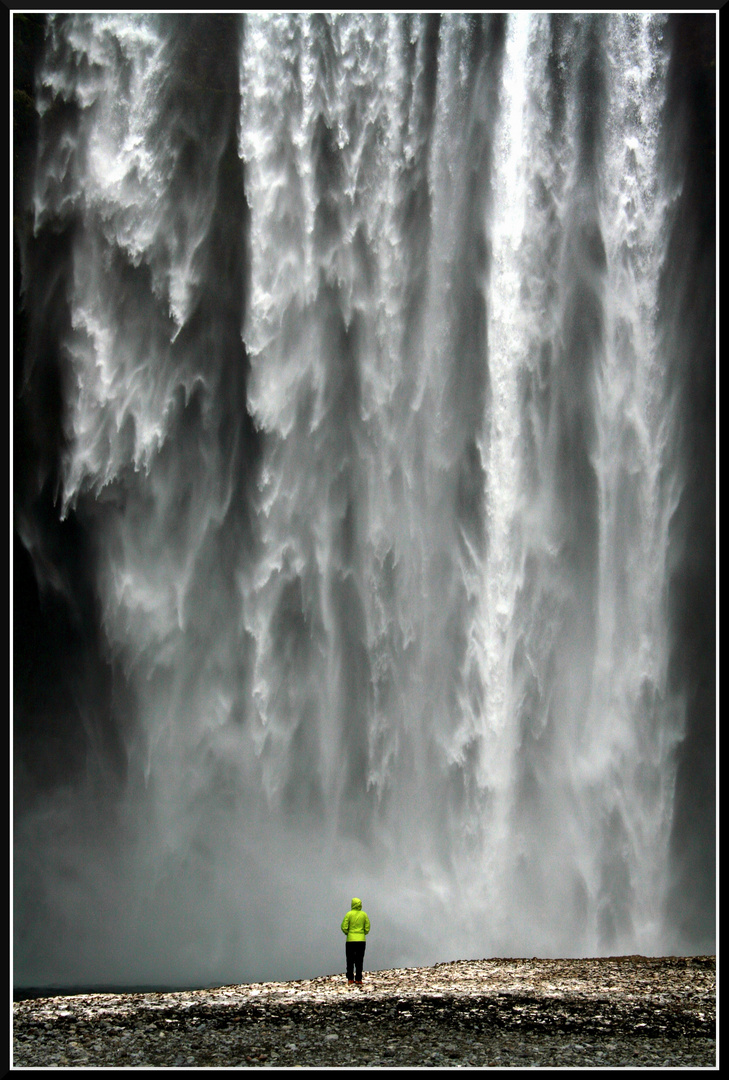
(615, 1012)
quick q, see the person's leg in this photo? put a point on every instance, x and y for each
(359, 961)
(350, 960)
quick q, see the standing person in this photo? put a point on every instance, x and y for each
(356, 925)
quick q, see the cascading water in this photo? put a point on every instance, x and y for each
(369, 440)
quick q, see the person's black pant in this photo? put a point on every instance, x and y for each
(355, 959)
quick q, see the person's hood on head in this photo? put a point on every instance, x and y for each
(356, 903)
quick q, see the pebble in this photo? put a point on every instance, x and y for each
(606, 1013)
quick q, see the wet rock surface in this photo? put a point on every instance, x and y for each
(612, 1012)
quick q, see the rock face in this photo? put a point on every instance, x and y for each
(618, 1011)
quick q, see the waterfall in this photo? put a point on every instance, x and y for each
(357, 524)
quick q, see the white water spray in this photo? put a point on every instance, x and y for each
(409, 639)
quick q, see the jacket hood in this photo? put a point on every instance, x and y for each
(356, 903)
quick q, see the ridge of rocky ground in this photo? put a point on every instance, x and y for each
(501, 1012)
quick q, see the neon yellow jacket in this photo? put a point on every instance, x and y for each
(356, 924)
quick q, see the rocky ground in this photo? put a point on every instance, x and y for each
(616, 1012)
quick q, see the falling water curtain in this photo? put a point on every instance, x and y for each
(364, 488)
